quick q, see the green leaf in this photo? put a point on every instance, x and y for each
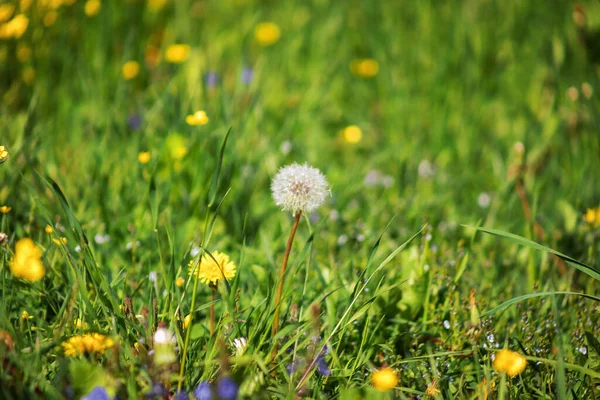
(212, 194)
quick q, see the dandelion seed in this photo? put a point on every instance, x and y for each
(3, 238)
(384, 379)
(483, 200)
(77, 248)
(299, 188)
(286, 147)
(152, 276)
(101, 239)
(426, 169)
(27, 262)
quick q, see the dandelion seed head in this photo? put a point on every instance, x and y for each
(299, 188)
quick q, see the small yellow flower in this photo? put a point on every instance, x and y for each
(88, 343)
(27, 262)
(92, 7)
(177, 53)
(510, 362)
(5, 209)
(592, 217)
(432, 389)
(50, 18)
(267, 33)
(28, 75)
(25, 315)
(15, 28)
(3, 154)
(130, 70)
(6, 11)
(197, 118)
(187, 320)
(23, 52)
(384, 379)
(79, 324)
(364, 67)
(144, 157)
(60, 241)
(179, 282)
(352, 134)
(212, 271)
(49, 229)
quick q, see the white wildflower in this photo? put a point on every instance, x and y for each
(240, 345)
(164, 336)
(299, 188)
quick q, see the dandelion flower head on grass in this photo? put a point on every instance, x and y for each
(352, 134)
(212, 271)
(15, 28)
(592, 217)
(510, 362)
(130, 70)
(267, 33)
(299, 188)
(197, 118)
(144, 157)
(6, 11)
(177, 53)
(27, 262)
(5, 209)
(3, 154)
(92, 7)
(88, 343)
(364, 67)
(384, 379)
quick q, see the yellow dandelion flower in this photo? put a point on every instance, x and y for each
(88, 343)
(510, 362)
(6, 11)
(144, 157)
(130, 70)
(177, 53)
(5, 209)
(60, 241)
(384, 379)
(25, 315)
(23, 52)
(179, 282)
(49, 229)
(50, 18)
(27, 262)
(28, 75)
(432, 389)
(197, 118)
(3, 154)
(187, 320)
(352, 134)
(364, 67)
(92, 7)
(211, 271)
(267, 33)
(15, 28)
(592, 217)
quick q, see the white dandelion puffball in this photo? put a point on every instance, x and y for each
(299, 188)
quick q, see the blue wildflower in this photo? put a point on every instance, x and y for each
(97, 393)
(203, 391)
(322, 366)
(247, 75)
(134, 121)
(227, 389)
(181, 395)
(157, 390)
(211, 78)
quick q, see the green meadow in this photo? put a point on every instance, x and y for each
(453, 253)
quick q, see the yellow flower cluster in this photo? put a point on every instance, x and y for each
(197, 118)
(364, 67)
(88, 343)
(15, 28)
(267, 33)
(510, 362)
(3, 154)
(592, 217)
(213, 270)
(384, 379)
(27, 262)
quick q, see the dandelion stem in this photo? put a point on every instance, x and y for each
(286, 256)
(212, 310)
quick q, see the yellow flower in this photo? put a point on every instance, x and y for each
(60, 241)
(197, 118)
(27, 262)
(352, 134)
(28, 75)
(3, 154)
(92, 7)
(156, 5)
(364, 67)
(144, 157)
(179, 282)
(25, 4)
(267, 33)
(384, 379)
(25, 315)
(15, 28)
(79, 324)
(187, 320)
(211, 271)
(50, 18)
(49, 229)
(5, 209)
(432, 389)
(23, 52)
(177, 53)
(130, 70)
(88, 343)
(592, 217)
(510, 362)
(6, 11)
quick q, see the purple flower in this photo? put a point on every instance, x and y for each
(157, 390)
(227, 389)
(181, 395)
(247, 75)
(203, 391)
(97, 393)
(322, 366)
(211, 78)
(134, 121)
